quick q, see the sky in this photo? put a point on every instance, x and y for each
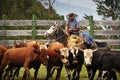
(80, 3)
(81, 7)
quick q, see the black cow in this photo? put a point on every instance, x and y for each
(73, 60)
(97, 65)
(110, 61)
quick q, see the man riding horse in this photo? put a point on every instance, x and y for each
(72, 27)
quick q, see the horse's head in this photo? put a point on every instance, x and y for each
(52, 29)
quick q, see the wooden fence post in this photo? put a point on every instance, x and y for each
(3, 27)
(34, 28)
(91, 25)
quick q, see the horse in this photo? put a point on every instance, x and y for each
(59, 34)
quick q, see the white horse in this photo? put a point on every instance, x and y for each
(56, 31)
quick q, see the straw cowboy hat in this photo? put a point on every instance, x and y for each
(71, 15)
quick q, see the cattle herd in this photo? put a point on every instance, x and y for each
(56, 56)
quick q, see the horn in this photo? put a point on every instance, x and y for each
(95, 49)
(81, 49)
(15, 42)
(25, 41)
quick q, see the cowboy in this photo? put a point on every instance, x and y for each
(72, 25)
(87, 38)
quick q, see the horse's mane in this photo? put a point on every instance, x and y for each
(61, 36)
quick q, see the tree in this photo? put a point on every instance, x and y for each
(108, 8)
(86, 17)
(24, 9)
(49, 4)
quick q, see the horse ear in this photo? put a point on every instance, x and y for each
(56, 23)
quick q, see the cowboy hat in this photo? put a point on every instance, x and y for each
(71, 15)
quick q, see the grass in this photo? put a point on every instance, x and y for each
(42, 74)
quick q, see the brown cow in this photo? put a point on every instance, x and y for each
(10, 68)
(27, 57)
(3, 49)
(20, 44)
(54, 59)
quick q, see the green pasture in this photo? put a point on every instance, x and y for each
(42, 74)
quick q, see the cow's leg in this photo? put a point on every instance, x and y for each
(2, 66)
(52, 71)
(74, 75)
(36, 71)
(113, 75)
(16, 73)
(49, 68)
(6, 73)
(59, 73)
(26, 69)
(68, 73)
(99, 75)
(91, 72)
(108, 75)
(24, 76)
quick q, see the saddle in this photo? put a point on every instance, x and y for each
(74, 39)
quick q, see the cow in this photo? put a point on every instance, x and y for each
(3, 49)
(96, 64)
(20, 44)
(54, 59)
(73, 60)
(110, 62)
(28, 57)
(11, 67)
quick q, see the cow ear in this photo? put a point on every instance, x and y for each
(57, 51)
(15, 44)
(36, 46)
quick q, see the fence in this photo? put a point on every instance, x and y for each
(34, 32)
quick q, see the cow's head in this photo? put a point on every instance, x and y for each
(64, 55)
(43, 54)
(73, 52)
(88, 55)
(20, 44)
(68, 55)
